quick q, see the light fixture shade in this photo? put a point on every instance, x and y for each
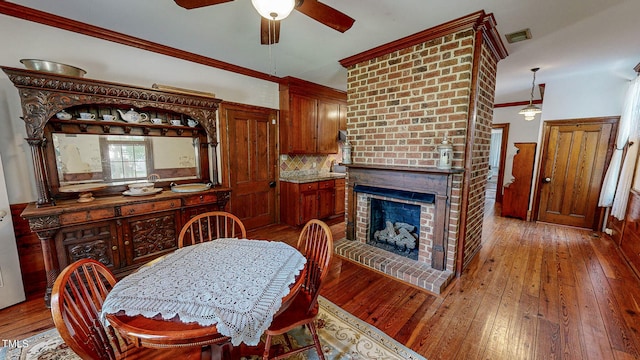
(274, 9)
(530, 112)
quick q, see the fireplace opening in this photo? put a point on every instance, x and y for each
(395, 227)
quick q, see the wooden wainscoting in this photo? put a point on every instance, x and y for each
(34, 276)
(630, 240)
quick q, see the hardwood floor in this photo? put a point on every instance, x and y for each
(534, 291)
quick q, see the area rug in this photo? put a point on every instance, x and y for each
(343, 336)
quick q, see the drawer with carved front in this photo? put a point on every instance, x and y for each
(201, 199)
(143, 208)
(86, 216)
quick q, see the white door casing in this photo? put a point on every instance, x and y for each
(11, 288)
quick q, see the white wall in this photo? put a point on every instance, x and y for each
(519, 131)
(102, 60)
(572, 97)
(584, 96)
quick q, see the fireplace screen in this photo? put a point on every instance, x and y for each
(395, 227)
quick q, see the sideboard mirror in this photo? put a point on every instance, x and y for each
(93, 144)
(113, 154)
(118, 159)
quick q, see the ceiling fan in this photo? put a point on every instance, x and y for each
(270, 24)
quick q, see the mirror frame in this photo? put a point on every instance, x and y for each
(97, 128)
(43, 94)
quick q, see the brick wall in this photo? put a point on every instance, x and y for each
(480, 154)
(402, 103)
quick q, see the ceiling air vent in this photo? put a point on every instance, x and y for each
(517, 36)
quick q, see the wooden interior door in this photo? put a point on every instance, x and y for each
(573, 164)
(251, 160)
(503, 156)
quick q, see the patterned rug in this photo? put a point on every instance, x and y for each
(343, 336)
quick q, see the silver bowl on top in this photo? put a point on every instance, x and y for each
(52, 67)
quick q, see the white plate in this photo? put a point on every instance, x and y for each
(152, 192)
(187, 188)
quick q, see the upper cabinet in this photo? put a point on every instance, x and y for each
(310, 117)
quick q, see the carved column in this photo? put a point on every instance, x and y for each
(44, 229)
(40, 171)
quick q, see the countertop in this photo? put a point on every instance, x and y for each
(301, 179)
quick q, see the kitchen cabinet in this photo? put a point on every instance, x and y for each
(339, 197)
(301, 202)
(326, 199)
(310, 117)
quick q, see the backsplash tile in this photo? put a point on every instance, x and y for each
(295, 165)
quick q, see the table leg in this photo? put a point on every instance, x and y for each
(224, 351)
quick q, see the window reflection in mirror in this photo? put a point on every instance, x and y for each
(121, 159)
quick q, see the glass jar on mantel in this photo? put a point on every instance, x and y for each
(445, 154)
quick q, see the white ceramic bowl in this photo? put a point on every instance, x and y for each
(138, 188)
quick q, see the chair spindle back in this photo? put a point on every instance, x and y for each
(76, 301)
(316, 243)
(210, 226)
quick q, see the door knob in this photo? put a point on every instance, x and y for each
(546, 180)
(272, 184)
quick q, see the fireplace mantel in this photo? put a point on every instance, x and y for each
(421, 180)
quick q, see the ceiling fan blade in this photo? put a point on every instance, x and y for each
(267, 26)
(194, 4)
(326, 15)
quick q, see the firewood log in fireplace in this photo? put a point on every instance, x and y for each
(398, 234)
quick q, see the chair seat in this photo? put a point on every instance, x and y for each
(295, 315)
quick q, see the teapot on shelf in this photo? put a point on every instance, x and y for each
(132, 116)
(63, 115)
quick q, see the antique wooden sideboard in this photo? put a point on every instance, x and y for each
(121, 231)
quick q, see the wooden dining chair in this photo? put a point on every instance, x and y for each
(316, 243)
(210, 226)
(76, 302)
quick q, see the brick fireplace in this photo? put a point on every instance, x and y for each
(430, 190)
(403, 99)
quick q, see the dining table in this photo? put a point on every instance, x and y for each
(221, 295)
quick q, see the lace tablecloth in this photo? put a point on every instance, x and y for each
(237, 284)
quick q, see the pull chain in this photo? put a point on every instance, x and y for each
(272, 61)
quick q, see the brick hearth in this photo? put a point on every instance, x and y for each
(411, 271)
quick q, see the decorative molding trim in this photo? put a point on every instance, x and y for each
(302, 86)
(474, 21)
(516, 103)
(44, 94)
(41, 17)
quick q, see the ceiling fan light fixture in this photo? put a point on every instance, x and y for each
(274, 9)
(531, 110)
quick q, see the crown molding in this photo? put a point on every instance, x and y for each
(517, 103)
(41, 17)
(478, 20)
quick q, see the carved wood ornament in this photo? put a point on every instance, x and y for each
(44, 94)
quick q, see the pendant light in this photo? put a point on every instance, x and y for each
(531, 110)
(274, 9)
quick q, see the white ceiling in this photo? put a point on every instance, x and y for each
(569, 36)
